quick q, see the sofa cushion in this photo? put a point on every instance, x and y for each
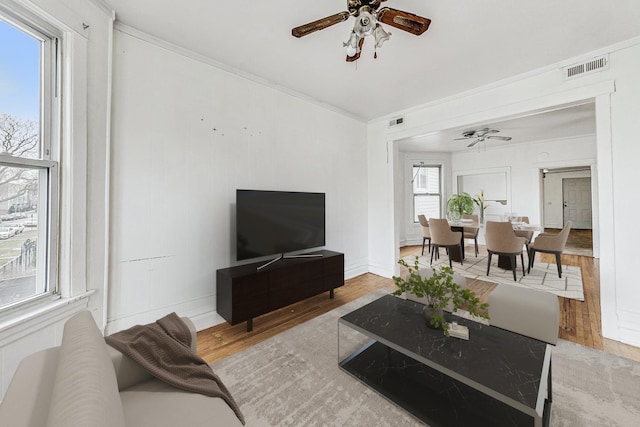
(155, 403)
(85, 392)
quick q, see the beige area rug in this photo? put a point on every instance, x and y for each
(293, 379)
(543, 276)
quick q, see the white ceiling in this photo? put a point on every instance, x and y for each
(563, 122)
(470, 43)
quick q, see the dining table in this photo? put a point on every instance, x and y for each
(460, 224)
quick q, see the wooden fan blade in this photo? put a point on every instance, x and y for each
(473, 143)
(320, 24)
(504, 138)
(406, 21)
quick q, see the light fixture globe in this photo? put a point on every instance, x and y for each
(365, 24)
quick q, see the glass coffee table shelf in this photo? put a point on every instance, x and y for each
(496, 378)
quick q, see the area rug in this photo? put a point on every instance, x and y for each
(293, 379)
(543, 276)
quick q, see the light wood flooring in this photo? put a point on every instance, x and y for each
(580, 321)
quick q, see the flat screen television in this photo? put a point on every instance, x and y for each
(277, 222)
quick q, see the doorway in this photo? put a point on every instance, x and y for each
(567, 196)
(576, 195)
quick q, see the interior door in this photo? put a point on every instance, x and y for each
(576, 193)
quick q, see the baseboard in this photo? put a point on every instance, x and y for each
(628, 327)
(194, 309)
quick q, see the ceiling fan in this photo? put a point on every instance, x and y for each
(368, 19)
(479, 135)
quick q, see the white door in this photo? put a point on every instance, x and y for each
(576, 193)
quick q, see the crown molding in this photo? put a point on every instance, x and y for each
(104, 6)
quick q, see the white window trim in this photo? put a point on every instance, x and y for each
(68, 222)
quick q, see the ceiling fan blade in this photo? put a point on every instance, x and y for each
(461, 139)
(406, 21)
(504, 138)
(473, 143)
(320, 24)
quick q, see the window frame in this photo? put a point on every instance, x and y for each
(414, 214)
(48, 161)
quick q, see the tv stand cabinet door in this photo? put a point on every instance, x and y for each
(242, 297)
(295, 282)
(333, 271)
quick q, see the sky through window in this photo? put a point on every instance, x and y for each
(19, 73)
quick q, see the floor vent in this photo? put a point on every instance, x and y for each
(595, 64)
(396, 122)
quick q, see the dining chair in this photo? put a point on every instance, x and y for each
(472, 232)
(502, 241)
(442, 236)
(551, 243)
(426, 233)
(527, 234)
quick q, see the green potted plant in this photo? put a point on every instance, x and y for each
(460, 204)
(441, 292)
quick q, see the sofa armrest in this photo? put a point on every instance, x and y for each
(129, 372)
(194, 335)
(26, 402)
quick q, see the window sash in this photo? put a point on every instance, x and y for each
(427, 191)
(48, 176)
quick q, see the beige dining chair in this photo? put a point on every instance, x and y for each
(426, 233)
(502, 241)
(442, 236)
(551, 243)
(527, 234)
(471, 233)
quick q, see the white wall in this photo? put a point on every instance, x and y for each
(617, 109)
(524, 162)
(186, 135)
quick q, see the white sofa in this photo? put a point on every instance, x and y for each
(525, 311)
(85, 382)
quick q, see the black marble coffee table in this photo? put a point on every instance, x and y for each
(497, 378)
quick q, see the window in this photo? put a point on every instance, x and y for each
(28, 173)
(427, 192)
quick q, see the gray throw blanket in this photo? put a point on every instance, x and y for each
(164, 349)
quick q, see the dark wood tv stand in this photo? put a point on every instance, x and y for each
(243, 292)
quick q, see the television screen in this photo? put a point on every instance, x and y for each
(277, 222)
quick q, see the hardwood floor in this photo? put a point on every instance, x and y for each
(579, 323)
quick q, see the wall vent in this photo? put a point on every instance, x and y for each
(396, 122)
(590, 66)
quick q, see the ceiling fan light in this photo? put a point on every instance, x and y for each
(351, 44)
(380, 35)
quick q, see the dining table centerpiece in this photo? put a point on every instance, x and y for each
(459, 205)
(482, 205)
(440, 292)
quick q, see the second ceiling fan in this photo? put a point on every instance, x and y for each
(368, 18)
(479, 135)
